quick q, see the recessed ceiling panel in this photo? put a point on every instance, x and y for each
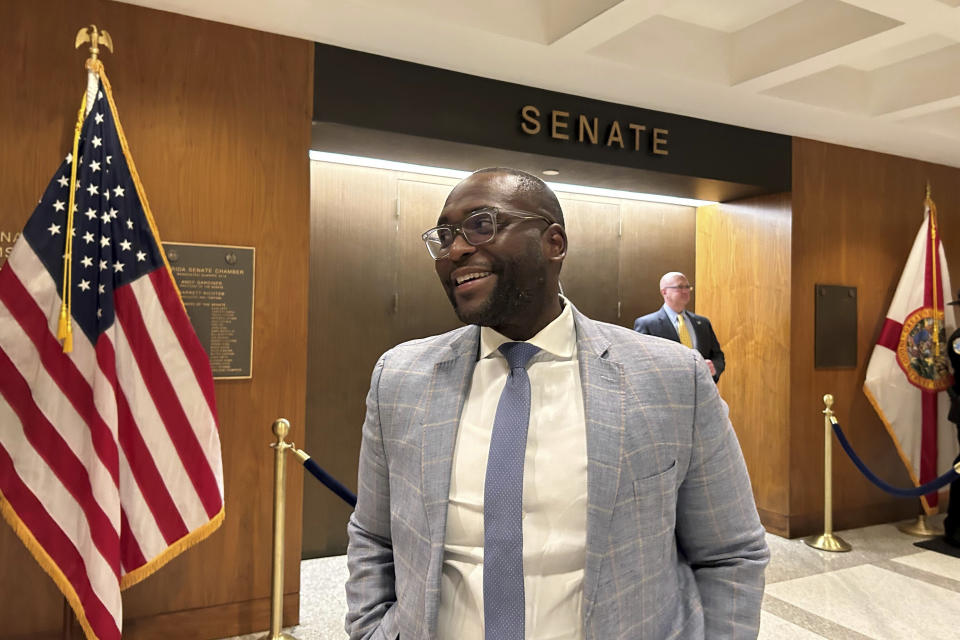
(927, 78)
(838, 88)
(891, 55)
(807, 29)
(945, 123)
(671, 47)
(922, 79)
(540, 21)
(560, 17)
(725, 16)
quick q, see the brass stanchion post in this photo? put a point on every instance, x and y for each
(281, 428)
(827, 541)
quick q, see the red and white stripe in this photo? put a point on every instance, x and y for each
(111, 453)
(917, 422)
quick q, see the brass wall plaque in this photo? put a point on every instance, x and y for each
(216, 284)
(835, 333)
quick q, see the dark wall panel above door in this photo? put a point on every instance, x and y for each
(388, 95)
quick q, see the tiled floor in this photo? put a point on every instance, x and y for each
(885, 589)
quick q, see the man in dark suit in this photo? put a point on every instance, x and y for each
(673, 322)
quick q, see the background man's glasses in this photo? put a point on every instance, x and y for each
(478, 228)
(683, 287)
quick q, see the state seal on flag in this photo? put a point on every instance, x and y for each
(916, 351)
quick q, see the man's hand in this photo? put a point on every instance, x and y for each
(713, 369)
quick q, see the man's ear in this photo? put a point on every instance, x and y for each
(555, 248)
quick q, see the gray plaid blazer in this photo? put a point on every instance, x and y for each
(674, 544)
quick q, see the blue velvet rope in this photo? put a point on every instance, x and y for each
(923, 490)
(332, 483)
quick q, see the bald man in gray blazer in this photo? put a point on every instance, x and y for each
(658, 536)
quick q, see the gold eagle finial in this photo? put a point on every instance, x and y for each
(95, 37)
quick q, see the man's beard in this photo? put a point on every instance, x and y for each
(511, 299)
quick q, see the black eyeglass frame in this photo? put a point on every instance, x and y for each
(680, 286)
(455, 228)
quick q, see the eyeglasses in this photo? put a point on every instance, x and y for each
(683, 287)
(478, 228)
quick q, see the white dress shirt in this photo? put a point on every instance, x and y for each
(554, 491)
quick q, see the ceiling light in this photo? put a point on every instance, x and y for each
(628, 195)
(377, 163)
(550, 172)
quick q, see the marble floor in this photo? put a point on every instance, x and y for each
(884, 589)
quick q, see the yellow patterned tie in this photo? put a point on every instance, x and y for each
(683, 333)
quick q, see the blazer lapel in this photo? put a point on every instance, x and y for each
(700, 330)
(441, 417)
(602, 382)
(667, 330)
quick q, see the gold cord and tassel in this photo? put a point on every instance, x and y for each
(934, 263)
(65, 324)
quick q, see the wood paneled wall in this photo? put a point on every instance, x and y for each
(655, 238)
(855, 216)
(372, 286)
(218, 120)
(850, 220)
(743, 285)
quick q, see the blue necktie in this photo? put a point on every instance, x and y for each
(503, 598)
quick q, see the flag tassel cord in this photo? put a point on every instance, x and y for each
(95, 66)
(65, 326)
(934, 259)
(64, 323)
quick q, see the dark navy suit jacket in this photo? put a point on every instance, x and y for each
(658, 324)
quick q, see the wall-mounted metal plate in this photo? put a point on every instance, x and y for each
(216, 286)
(835, 333)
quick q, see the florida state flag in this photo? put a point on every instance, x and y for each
(908, 372)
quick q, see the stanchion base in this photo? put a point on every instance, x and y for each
(828, 542)
(920, 528)
(280, 636)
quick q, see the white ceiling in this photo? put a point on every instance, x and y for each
(875, 74)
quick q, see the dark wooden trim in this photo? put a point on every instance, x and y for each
(806, 524)
(776, 523)
(234, 618)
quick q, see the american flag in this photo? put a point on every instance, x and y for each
(109, 454)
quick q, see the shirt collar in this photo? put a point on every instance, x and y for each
(670, 313)
(559, 338)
